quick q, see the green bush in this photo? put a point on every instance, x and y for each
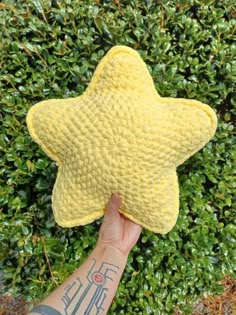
(49, 49)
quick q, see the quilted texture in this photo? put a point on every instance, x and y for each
(120, 136)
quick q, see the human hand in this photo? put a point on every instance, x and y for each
(116, 230)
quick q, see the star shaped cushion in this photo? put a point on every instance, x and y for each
(120, 136)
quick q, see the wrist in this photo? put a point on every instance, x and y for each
(110, 253)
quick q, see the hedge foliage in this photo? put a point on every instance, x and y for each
(49, 49)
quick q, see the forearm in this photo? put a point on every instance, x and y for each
(90, 289)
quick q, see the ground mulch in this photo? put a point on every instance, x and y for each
(222, 304)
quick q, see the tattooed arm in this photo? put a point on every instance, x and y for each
(91, 288)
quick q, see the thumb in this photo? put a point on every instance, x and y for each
(112, 207)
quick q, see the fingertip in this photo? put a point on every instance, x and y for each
(114, 200)
(111, 212)
(116, 194)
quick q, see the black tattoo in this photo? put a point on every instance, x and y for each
(45, 310)
(76, 292)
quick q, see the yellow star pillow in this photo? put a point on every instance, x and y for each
(120, 136)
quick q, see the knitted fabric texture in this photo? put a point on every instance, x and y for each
(120, 136)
